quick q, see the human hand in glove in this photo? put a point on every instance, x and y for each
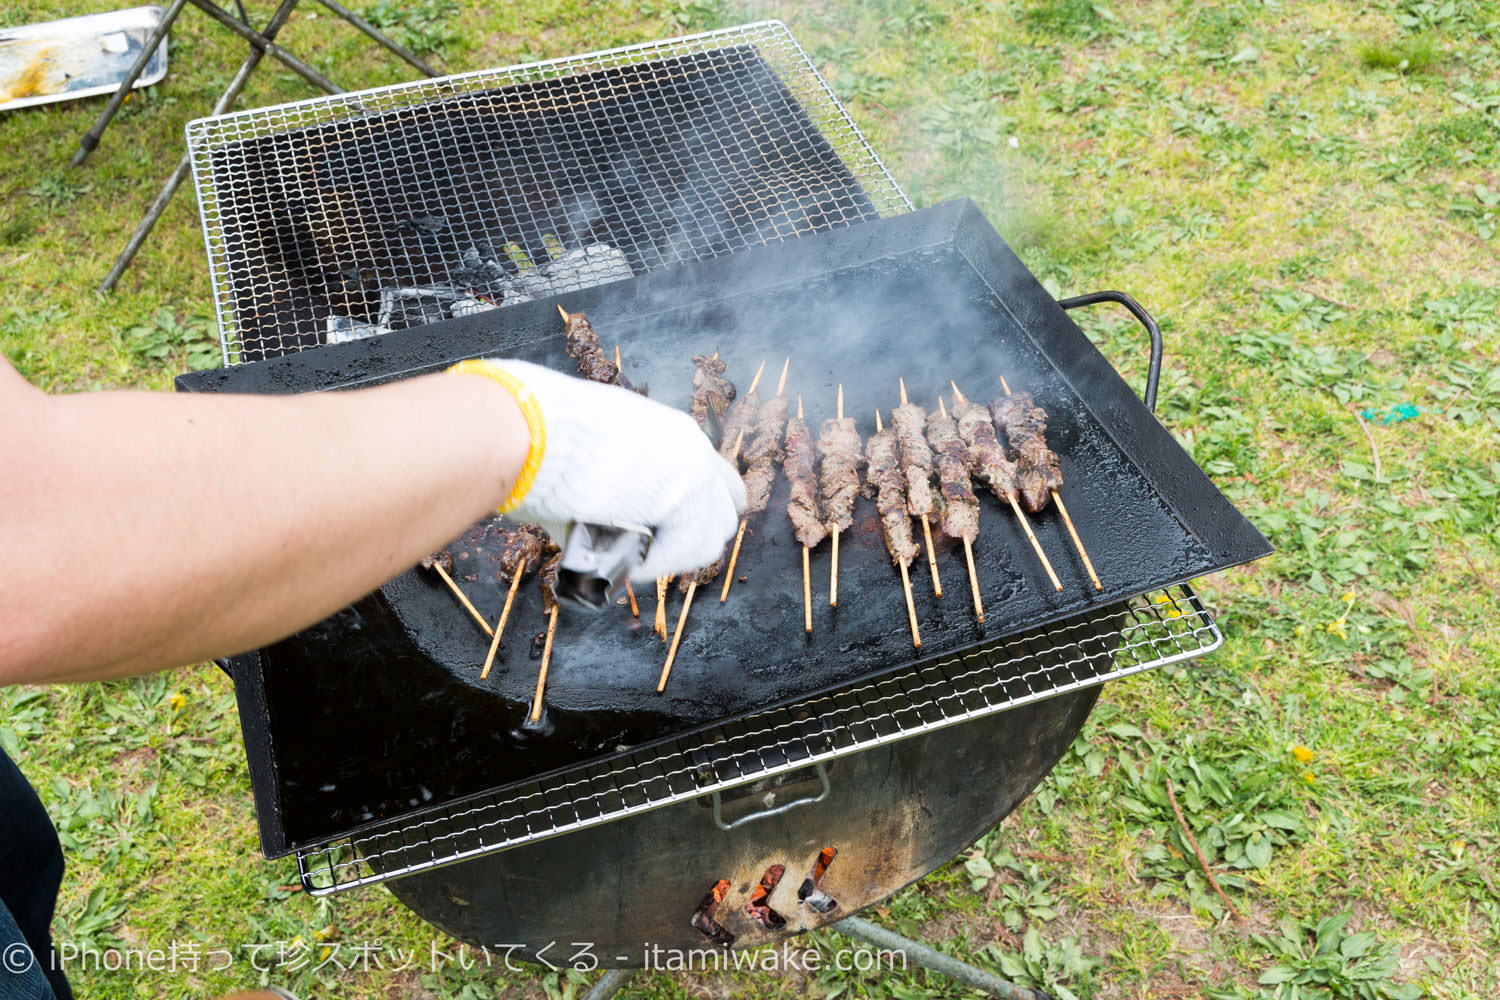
(601, 454)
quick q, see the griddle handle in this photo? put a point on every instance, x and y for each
(1153, 376)
(823, 792)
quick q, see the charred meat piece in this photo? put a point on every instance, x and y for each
(702, 577)
(909, 421)
(443, 559)
(583, 347)
(960, 507)
(740, 420)
(547, 577)
(986, 455)
(1025, 427)
(527, 542)
(801, 474)
(839, 448)
(711, 390)
(763, 452)
(890, 495)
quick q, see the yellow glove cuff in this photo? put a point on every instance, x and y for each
(530, 409)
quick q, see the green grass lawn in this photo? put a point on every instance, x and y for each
(1305, 194)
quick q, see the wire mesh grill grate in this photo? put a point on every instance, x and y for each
(1164, 627)
(347, 216)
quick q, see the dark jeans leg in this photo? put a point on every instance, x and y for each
(31, 868)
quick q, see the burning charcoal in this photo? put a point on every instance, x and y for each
(592, 265)
(468, 306)
(429, 225)
(402, 308)
(343, 329)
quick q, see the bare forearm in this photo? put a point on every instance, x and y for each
(145, 531)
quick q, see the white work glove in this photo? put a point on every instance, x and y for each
(612, 456)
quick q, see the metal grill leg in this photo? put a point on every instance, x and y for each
(374, 33)
(90, 139)
(930, 958)
(279, 18)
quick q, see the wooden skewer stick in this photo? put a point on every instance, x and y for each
(468, 605)
(781, 385)
(618, 366)
(565, 315)
(687, 601)
(1066, 519)
(932, 566)
(968, 550)
(734, 554)
(974, 581)
(635, 609)
(937, 584)
(833, 586)
(541, 677)
(911, 610)
(806, 593)
(660, 624)
(1035, 545)
(756, 381)
(739, 536)
(510, 595)
(1077, 542)
(833, 583)
(806, 572)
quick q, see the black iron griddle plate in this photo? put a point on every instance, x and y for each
(379, 710)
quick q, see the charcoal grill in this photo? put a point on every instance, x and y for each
(693, 194)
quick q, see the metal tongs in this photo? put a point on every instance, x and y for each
(597, 560)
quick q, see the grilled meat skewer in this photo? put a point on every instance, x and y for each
(960, 517)
(740, 419)
(987, 458)
(842, 455)
(1042, 464)
(960, 506)
(525, 548)
(802, 505)
(760, 456)
(711, 390)
(909, 421)
(800, 467)
(838, 476)
(885, 478)
(583, 347)
(1025, 426)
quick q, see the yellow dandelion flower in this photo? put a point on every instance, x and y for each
(1337, 628)
(176, 702)
(1458, 848)
(1348, 597)
(1299, 631)
(1307, 776)
(1302, 754)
